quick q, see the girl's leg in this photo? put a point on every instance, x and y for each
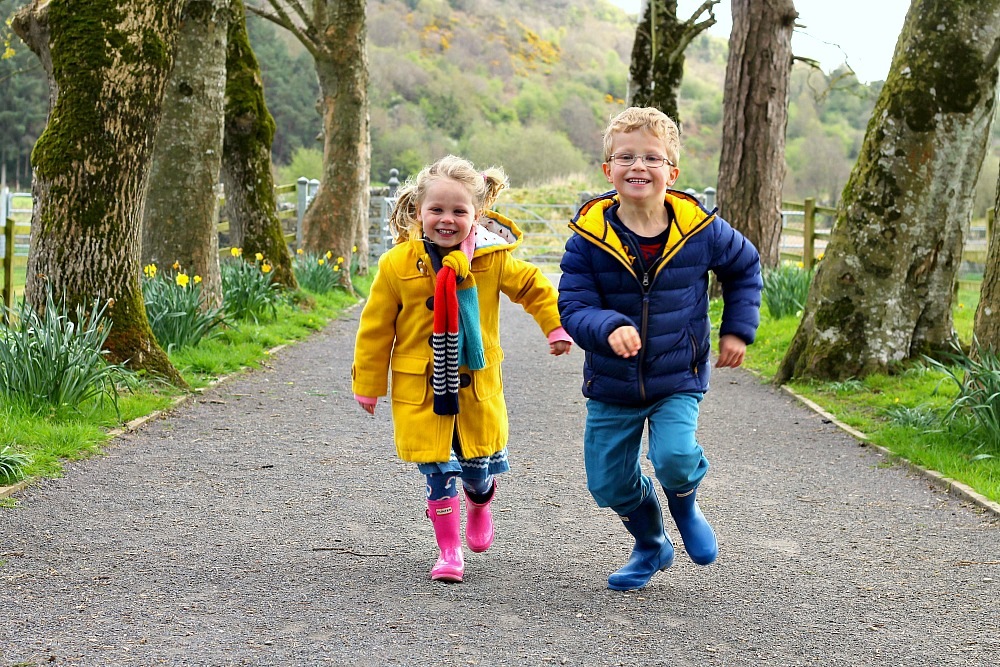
(479, 482)
(444, 511)
(680, 465)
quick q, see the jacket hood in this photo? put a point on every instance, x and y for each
(690, 217)
(495, 232)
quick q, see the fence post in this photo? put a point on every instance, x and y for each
(809, 234)
(393, 182)
(301, 201)
(709, 195)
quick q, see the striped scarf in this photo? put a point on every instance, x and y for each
(456, 339)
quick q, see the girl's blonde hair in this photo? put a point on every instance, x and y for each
(484, 187)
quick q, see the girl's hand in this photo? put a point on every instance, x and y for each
(559, 347)
(625, 341)
(367, 403)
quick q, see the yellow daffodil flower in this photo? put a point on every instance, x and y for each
(259, 256)
(299, 251)
(321, 261)
(176, 266)
(265, 268)
(340, 260)
(149, 270)
(354, 249)
(182, 279)
(197, 279)
(236, 252)
(329, 254)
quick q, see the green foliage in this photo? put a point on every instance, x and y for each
(317, 273)
(247, 290)
(976, 375)
(785, 289)
(306, 163)
(12, 465)
(176, 309)
(55, 360)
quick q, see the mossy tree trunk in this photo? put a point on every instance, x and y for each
(333, 31)
(883, 292)
(987, 322)
(246, 158)
(754, 116)
(657, 65)
(107, 62)
(182, 205)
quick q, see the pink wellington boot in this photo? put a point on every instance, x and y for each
(446, 518)
(479, 522)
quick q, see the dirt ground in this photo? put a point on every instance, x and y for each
(268, 522)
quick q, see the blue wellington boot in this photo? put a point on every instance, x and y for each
(653, 550)
(697, 534)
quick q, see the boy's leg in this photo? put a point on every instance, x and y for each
(612, 440)
(680, 465)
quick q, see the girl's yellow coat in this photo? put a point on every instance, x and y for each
(395, 333)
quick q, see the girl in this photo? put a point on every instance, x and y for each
(432, 318)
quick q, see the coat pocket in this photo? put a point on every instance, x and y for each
(488, 382)
(409, 378)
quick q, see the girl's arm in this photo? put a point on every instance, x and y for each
(376, 334)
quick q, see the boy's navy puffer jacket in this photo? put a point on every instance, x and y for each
(600, 291)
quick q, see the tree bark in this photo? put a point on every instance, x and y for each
(246, 162)
(108, 62)
(883, 292)
(755, 113)
(334, 34)
(657, 65)
(182, 205)
(987, 322)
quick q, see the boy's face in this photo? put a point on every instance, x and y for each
(639, 181)
(447, 212)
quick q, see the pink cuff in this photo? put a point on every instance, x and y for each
(366, 400)
(559, 334)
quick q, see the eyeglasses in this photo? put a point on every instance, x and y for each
(627, 160)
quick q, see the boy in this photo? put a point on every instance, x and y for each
(634, 295)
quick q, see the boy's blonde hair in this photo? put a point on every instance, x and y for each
(650, 119)
(484, 187)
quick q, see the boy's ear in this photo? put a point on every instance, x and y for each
(675, 173)
(607, 170)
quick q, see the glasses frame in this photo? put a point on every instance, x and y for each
(613, 158)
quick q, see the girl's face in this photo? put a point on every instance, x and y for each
(637, 181)
(447, 213)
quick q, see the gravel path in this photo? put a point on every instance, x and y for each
(268, 522)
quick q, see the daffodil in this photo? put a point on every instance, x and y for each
(336, 267)
(321, 261)
(182, 279)
(176, 266)
(259, 256)
(354, 249)
(197, 279)
(299, 251)
(329, 255)
(236, 252)
(340, 260)
(149, 270)
(265, 268)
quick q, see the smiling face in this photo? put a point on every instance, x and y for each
(447, 212)
(638, 182)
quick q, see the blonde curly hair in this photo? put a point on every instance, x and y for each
(650, 119)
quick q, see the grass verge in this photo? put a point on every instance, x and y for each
(901, 412)
(52, 438)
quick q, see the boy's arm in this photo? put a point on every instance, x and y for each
(585, 319)
(736, 264)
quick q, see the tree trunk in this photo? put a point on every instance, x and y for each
(987, 323)
(182, 205)
(246, 160)
(883, 292)
(340, 207)
(657, 65)
(108, 63)
(755, 112)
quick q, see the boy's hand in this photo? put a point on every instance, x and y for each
(559, 347)
(731, 351)
(625, 341)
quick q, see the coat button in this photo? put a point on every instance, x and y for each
(464, 380)
(430, 340)
(430, 303)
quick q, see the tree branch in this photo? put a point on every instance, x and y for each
(693, 27)
(281, 17)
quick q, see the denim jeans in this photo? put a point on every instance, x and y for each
(612, 443)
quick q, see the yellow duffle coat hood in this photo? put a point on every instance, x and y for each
(395, 334)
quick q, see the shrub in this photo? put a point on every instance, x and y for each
(247, 290)
(176, 309)
(785, 289)
(54, 360)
